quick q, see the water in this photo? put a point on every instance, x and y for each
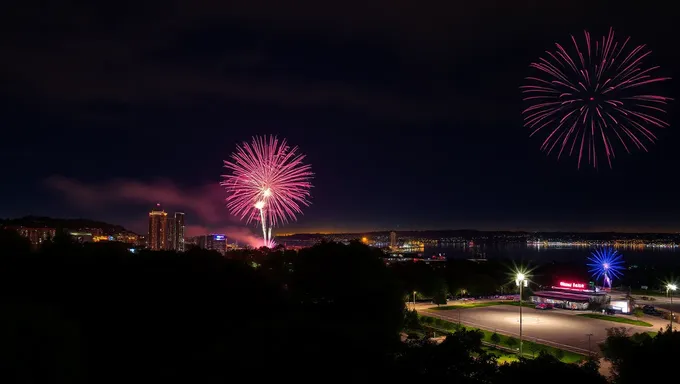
(542, 254)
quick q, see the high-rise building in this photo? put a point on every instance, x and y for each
(170, 235)
(393, 239)
(212, 242)
(158, 227)
(215, 242)
(179, 232)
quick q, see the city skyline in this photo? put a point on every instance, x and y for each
(423, 132)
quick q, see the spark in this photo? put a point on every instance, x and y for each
(589, 100)
(606, 263)
(268, 183)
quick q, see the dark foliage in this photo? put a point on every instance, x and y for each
(95, 313)
(634, 357)
(546, 368)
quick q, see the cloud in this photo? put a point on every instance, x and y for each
(205, 202)
(204, 205)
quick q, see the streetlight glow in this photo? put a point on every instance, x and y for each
(670, 288)
(522, 281)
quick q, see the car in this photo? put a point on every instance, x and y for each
(544, 306)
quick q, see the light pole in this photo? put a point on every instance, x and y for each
(521, 282)
(669, 292)
(590, 353)
(414, 300)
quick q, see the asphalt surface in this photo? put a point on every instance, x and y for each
(557, 327)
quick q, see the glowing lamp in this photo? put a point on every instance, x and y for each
(671, 287)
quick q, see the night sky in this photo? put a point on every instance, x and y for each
(410, 115)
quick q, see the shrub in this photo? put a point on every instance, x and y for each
(495, 339)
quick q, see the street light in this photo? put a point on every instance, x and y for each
(414, 300)
(521, 281)
(669, 292)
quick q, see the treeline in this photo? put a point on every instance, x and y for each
(95, 313)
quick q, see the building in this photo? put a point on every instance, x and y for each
(158, 227)
(571, 295)
(82, 237)
(36, 236)
(179, 232)
(216, 242)
(393, 239)
(170, 234)
(212, 242)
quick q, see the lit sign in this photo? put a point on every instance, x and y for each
(218, 237)
(572, 285)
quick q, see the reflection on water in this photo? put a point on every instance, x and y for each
(556, 252)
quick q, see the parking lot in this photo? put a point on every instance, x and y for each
(556, 327)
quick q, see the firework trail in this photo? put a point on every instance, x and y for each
(268, 183)
(590, 98)
(606, 263)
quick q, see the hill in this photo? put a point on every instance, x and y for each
(70, 224)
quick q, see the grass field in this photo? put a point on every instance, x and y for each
(472, 304)
(616, 319)
(531, 349)
(502, 357)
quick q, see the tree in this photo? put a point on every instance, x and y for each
(511, 342)
(411, 320)
(535, 371)
(628, 353)
(458, 359)
(495, 339)
(440, 296)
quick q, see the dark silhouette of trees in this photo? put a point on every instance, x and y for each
(460, 359)
(634, 356)
(546, 368)
(82, 313)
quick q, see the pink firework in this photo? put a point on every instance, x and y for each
(268, 183)
(590, 99)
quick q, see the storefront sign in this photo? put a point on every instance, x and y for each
(564, 284)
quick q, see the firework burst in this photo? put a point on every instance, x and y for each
(268, 183)
(606, 263)
(589, 99)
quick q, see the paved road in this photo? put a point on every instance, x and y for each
(558, 327)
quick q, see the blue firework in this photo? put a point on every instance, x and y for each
(606, 263)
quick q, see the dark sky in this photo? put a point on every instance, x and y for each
(409, 114)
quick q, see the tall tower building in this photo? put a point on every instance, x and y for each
(179, 232)
(158, 229)
(393, 239)
(170, 235)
